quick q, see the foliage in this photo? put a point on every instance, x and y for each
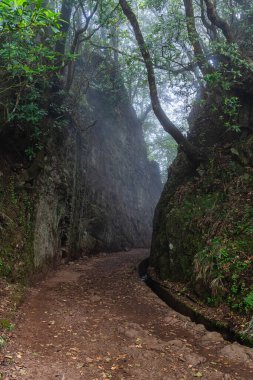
(248, 301)
(6, 325)
(231, 108)
(161, 147)
(224, 265)
(28, 33)
(179, 74)
(228, 71)
(17, 213)
(2, 343)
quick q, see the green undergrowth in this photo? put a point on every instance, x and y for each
(12, 296)
(209, 230)
(16, 228)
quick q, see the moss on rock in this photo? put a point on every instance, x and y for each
(16, 228)
(204, 232)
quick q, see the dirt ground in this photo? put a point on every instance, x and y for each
(94, 319)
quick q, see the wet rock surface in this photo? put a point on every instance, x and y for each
(96, 320)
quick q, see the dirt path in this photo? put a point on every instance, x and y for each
(95, 320)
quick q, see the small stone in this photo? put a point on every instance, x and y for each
(171, 320)
(217, 375)
(95, 298)
(131, 333)
(200, 328)
(194, 359)
(176, 343)
(212, 337)
(183, 318)
(237, 353)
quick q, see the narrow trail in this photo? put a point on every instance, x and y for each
(96, 320)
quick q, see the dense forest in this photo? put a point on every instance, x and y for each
(104, 102)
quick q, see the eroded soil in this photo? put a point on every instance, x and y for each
(96, 320)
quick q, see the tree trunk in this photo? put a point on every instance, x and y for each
(218, 21)
(194, 38)
(66, 11)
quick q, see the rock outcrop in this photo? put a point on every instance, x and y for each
(91, 189)
(203, 222)
(98, 190)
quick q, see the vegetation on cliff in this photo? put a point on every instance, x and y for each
(28, 33)
(206, 241)
(72, 148)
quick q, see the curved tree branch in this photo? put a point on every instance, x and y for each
(142, 118)
(210, 28)
(191, 151)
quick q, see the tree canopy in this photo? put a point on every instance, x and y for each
(166, 52)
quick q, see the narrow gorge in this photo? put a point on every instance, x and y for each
(126, 201)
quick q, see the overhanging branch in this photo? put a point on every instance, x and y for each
(191, 151)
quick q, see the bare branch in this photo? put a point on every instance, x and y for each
(83, 10)
(184, 68)
(145, 113)
(77, 40)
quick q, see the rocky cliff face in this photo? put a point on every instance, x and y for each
(98, 191)
(91, 189)
(203, 222)
(123, 185)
